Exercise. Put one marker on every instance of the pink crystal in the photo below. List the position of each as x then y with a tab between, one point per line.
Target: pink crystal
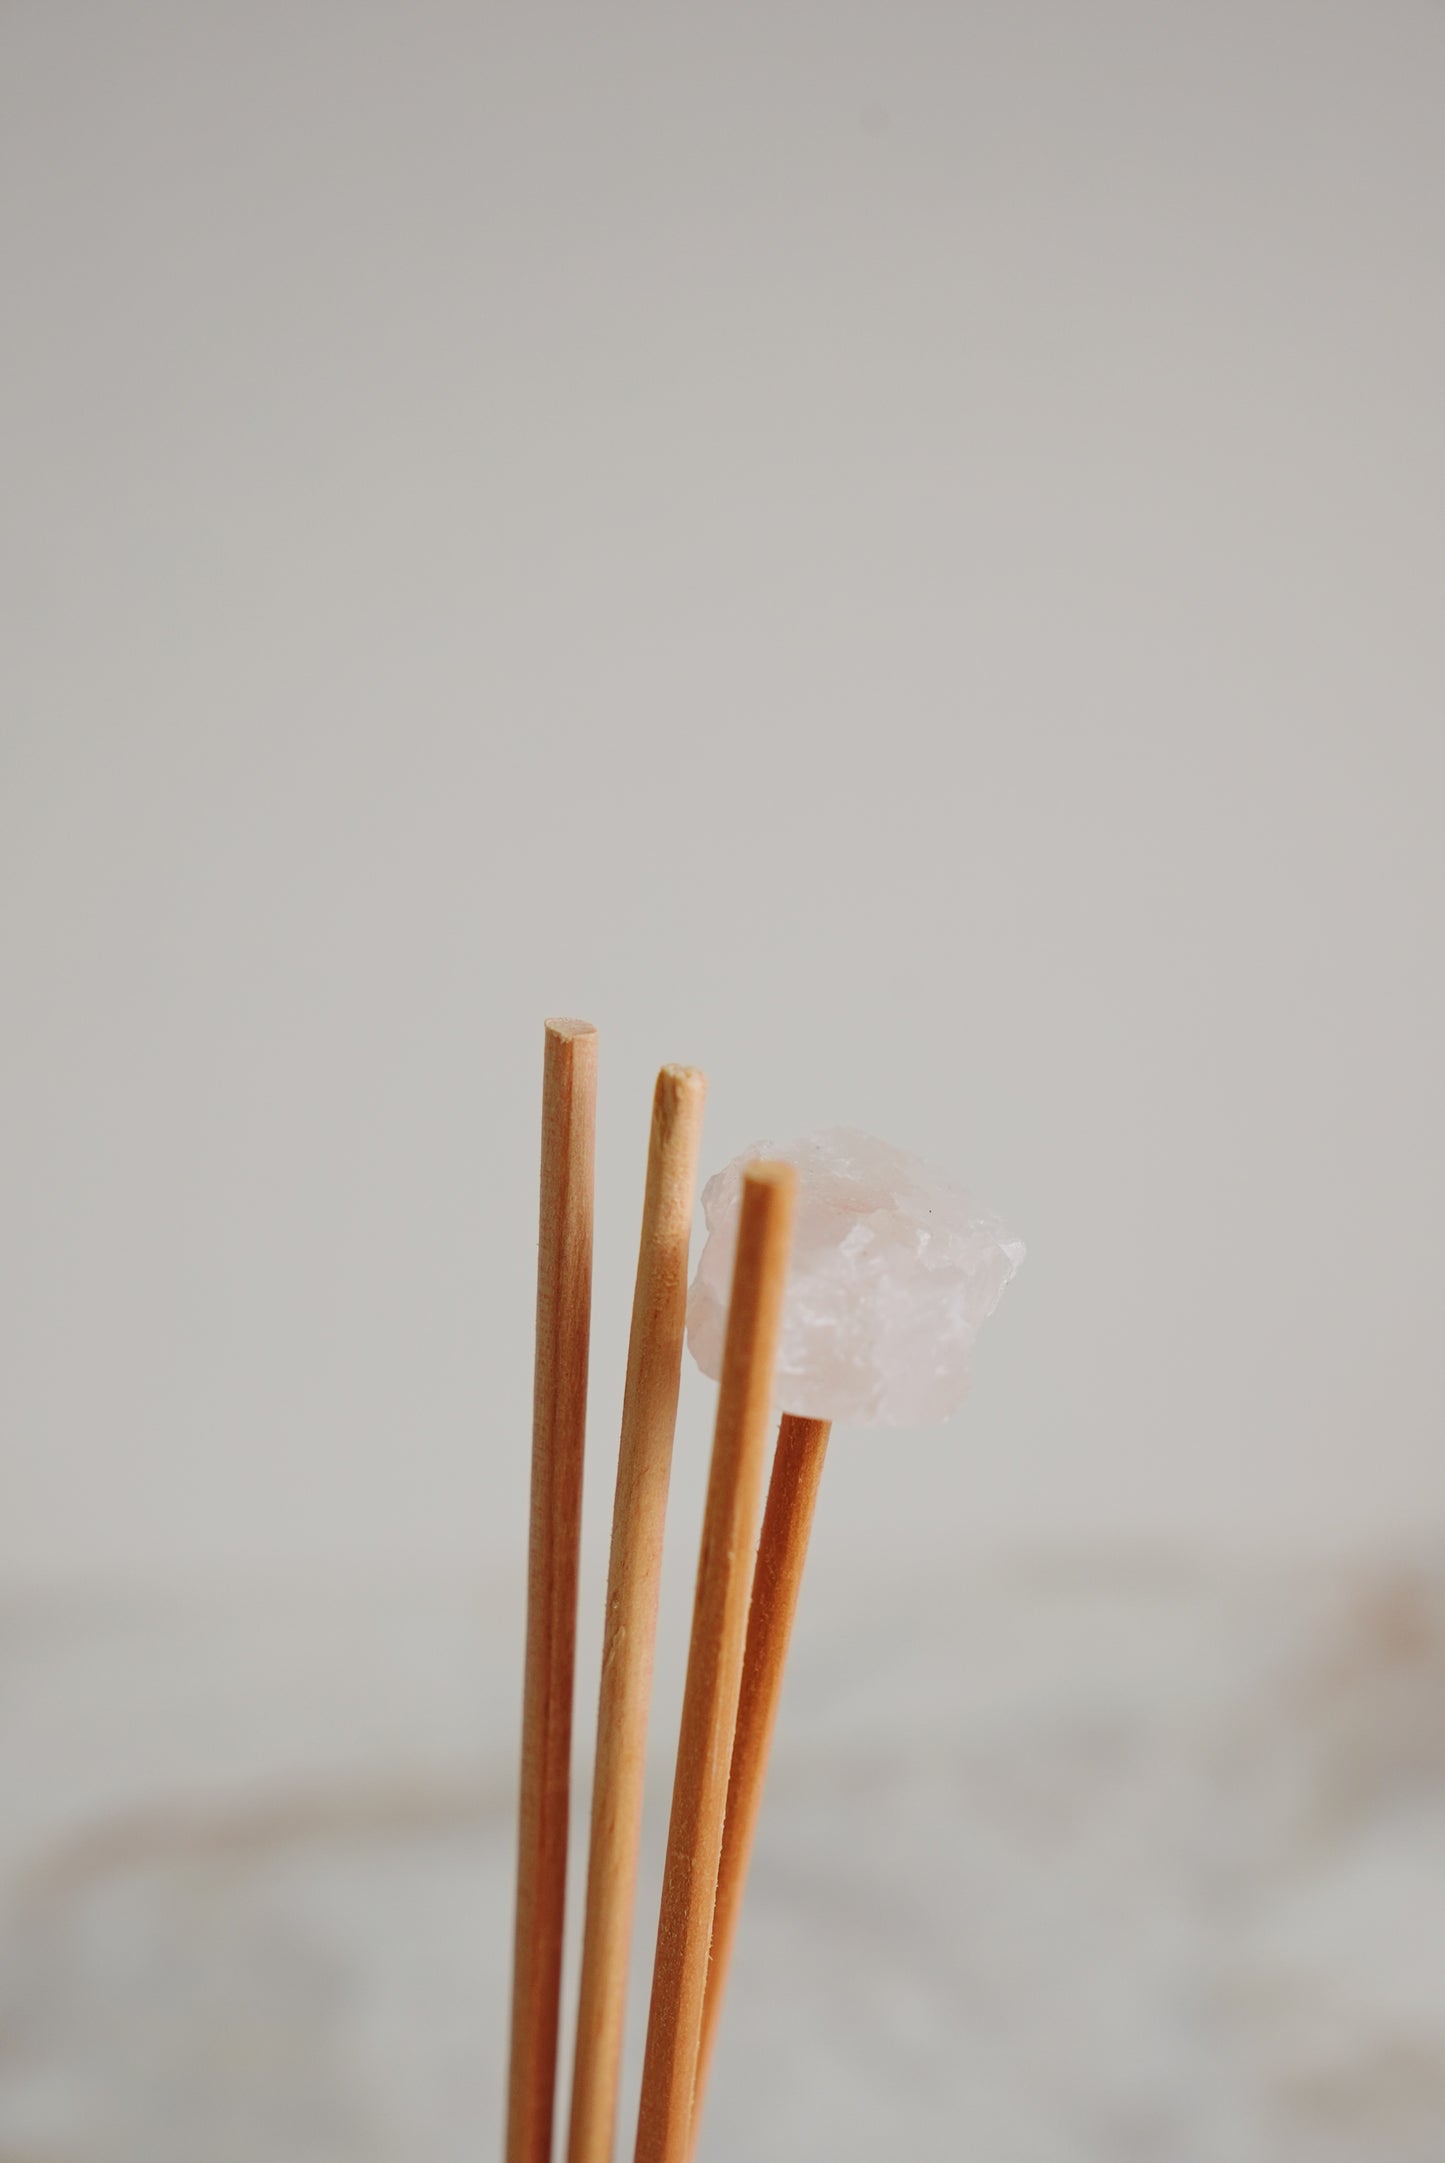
893	1269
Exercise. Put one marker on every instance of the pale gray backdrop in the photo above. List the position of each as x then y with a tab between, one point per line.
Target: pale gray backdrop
892	553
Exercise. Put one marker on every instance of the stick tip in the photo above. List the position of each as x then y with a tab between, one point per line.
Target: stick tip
680	1089
565	1030
765	1176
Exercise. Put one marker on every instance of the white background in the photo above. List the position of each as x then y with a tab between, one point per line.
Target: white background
893	553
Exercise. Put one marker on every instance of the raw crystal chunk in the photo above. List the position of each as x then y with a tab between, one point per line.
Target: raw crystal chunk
893	1269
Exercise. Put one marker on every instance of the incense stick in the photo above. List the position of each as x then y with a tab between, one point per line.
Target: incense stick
777	1581
564	1300
714	1665
644	1464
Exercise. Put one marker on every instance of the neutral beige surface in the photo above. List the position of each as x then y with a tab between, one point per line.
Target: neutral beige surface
1072	1866
981	465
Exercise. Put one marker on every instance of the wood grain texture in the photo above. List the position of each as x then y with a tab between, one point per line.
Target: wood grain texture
714	1666
777	1581
564	1305
644	1467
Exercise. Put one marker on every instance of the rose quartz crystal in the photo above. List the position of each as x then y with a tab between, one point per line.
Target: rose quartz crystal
893	1269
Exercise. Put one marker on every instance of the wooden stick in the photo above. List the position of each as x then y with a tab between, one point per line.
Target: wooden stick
564	1305
777	1581
644	1465
714	1665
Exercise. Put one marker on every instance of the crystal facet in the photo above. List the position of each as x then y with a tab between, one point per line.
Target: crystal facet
893	1269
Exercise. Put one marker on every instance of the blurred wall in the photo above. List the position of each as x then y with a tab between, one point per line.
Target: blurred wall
891	552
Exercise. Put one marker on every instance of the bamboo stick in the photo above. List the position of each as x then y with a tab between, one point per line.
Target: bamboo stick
564	1300
714	1665
777	1581
644	1464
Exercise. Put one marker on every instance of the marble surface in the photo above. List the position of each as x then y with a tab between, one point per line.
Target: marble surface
1089	1862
